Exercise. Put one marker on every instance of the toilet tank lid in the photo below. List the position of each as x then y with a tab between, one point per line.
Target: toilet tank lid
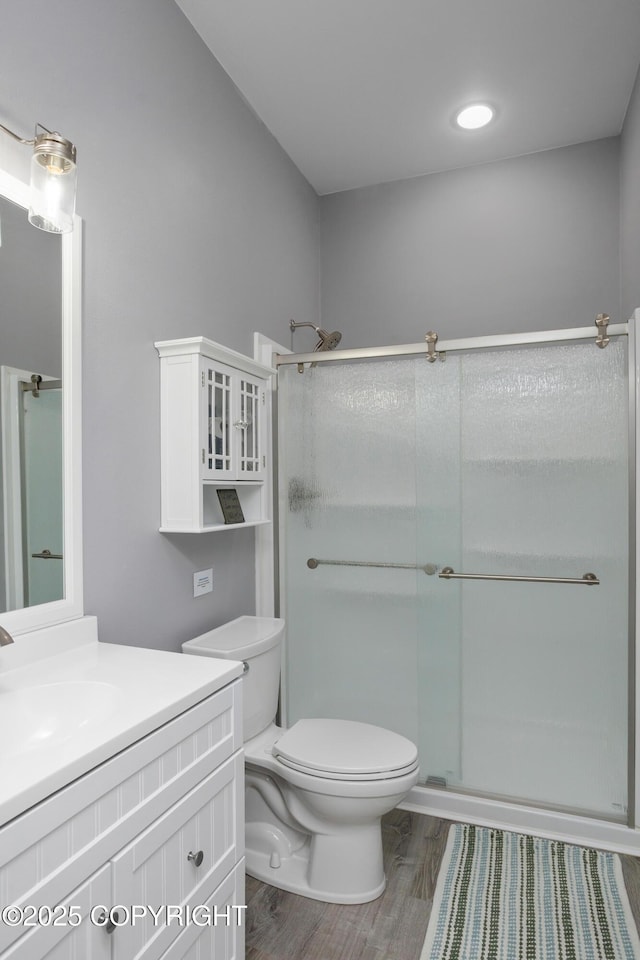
239	639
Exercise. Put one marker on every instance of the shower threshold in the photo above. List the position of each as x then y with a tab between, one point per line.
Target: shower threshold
571	826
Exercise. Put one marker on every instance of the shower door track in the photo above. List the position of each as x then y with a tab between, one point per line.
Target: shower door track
448	346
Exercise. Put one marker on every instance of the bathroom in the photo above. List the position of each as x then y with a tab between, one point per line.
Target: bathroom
224	237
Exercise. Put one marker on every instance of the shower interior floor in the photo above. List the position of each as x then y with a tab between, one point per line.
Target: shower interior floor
283	926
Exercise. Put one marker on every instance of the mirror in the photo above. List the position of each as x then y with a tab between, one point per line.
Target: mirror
40	532
31	569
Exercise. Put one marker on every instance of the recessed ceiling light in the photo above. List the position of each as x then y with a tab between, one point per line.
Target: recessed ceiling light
474	116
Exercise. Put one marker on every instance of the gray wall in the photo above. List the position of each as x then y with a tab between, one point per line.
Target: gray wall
630	206
196	223
523	244
31	286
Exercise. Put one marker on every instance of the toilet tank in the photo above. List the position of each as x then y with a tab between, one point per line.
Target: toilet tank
257	642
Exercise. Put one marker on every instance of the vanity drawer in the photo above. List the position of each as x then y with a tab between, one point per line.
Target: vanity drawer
68	941
49	850
219	940
179	861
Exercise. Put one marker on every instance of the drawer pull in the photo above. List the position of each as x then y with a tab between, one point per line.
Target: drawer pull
109	920
196	858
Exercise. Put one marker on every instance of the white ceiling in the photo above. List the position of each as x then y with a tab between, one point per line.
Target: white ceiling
359	92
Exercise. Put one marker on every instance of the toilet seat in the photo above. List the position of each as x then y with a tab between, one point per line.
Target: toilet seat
345	750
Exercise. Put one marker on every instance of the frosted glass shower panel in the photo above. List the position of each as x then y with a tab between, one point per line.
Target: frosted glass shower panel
512	462
438	534
544	493
347	493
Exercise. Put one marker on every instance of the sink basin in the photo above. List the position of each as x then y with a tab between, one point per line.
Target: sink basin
49	714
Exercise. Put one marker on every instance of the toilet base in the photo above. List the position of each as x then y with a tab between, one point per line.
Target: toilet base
292	873
314	836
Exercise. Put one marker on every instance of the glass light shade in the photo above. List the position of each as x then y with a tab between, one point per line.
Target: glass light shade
53	184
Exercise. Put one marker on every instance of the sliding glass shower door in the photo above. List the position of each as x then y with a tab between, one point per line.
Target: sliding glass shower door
509	462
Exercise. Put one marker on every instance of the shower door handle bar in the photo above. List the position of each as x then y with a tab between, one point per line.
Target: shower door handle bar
46	555
429	568
587	580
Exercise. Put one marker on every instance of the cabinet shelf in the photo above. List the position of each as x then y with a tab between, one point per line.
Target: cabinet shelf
232	483
215	527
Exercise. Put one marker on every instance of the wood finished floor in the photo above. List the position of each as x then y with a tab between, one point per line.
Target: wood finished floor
283	926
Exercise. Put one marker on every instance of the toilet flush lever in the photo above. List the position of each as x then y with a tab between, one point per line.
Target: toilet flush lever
245	667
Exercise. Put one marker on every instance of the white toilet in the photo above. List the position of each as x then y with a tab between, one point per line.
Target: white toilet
314	793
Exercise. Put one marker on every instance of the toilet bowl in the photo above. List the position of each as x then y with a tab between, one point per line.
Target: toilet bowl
314	793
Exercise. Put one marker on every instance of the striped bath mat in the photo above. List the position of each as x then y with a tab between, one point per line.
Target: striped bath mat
506	896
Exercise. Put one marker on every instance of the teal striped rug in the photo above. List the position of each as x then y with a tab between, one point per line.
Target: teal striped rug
507	896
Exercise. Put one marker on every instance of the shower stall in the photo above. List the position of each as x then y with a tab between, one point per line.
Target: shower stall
457	564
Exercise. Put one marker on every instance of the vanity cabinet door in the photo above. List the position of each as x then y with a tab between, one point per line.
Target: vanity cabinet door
177	863
220	932
66	939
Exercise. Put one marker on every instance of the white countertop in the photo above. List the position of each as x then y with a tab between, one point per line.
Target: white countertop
63	714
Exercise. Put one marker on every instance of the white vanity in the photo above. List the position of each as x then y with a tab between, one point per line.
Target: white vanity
121	801
121	791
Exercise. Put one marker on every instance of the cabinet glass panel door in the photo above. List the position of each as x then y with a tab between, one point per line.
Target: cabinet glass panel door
217	450
248	424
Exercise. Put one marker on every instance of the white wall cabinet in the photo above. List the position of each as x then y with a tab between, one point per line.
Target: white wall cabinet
159	825
215	435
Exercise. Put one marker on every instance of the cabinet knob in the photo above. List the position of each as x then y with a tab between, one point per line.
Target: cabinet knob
196	858
109	920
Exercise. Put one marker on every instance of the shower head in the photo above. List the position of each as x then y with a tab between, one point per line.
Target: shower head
327	341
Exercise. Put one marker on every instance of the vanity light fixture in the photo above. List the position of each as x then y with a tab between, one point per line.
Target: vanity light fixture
474	116
53	180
